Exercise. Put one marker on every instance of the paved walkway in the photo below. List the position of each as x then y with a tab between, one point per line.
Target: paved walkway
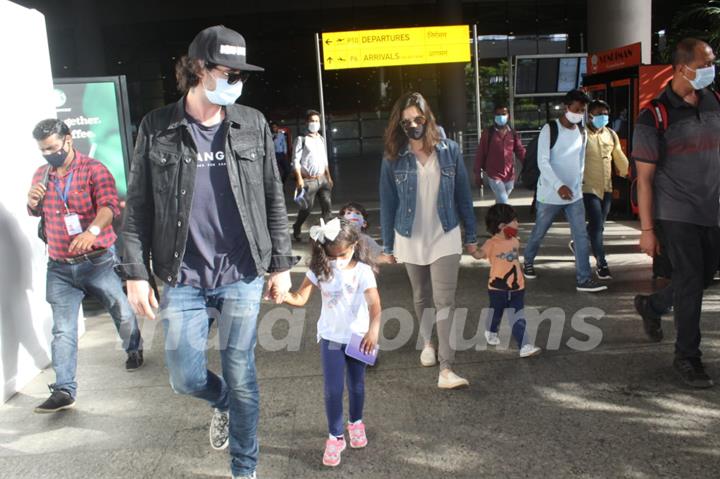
614	411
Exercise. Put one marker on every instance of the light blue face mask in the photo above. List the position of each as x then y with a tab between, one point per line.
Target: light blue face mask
501	120
600	121
224	93
703	77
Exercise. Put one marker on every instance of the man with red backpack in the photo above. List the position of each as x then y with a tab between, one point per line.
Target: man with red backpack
495	156
676	148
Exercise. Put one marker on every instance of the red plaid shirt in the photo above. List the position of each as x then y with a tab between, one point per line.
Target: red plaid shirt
92	188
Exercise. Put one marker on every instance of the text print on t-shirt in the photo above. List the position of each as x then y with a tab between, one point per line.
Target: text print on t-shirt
210	159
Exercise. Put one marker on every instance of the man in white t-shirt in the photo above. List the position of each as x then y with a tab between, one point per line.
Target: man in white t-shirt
561	160
312	171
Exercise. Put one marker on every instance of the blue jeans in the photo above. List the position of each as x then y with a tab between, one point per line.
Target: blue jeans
501	189
67	285
575	214
514	301
334	363
186	312
597	212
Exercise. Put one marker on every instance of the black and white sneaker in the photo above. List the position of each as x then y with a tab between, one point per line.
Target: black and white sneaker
529	271
134	361
603	273
220	430
591	286
58	401
692	372
571	245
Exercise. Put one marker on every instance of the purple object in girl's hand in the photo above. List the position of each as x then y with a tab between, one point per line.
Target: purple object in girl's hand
353	350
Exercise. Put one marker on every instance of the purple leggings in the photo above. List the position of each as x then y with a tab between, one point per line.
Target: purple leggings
334	363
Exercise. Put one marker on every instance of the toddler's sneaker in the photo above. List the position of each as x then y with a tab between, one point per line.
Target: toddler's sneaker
492	338
358	439
529	350
333	449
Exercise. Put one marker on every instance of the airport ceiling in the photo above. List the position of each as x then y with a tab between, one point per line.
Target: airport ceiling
258	17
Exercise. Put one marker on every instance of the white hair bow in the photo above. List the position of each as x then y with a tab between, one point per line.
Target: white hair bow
326	231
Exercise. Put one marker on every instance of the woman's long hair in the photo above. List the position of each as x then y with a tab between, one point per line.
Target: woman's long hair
320	263
395	137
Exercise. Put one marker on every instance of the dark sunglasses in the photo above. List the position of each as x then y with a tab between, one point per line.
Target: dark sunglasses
232	76
418	120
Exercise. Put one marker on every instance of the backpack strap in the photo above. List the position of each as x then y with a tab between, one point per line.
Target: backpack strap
659	113
553	133
491	133
717	95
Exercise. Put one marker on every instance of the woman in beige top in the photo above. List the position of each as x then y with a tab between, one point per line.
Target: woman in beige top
603	152
424	195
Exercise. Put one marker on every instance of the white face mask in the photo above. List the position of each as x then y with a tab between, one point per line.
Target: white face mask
342	263
314	126
224	93
703	77
574	118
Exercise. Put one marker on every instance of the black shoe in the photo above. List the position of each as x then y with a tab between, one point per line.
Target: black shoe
652	322
296	233
529	271
57	401
134	360
692	373
591	286
603	273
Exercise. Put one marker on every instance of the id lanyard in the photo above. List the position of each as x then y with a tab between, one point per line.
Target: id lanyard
64	195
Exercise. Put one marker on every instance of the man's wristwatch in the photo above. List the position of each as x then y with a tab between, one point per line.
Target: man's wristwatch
94	230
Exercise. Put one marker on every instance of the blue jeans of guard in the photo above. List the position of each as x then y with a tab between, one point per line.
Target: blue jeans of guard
575	214
186	312
67	285
501	189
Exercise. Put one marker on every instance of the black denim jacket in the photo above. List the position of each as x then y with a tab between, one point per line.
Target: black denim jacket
160	192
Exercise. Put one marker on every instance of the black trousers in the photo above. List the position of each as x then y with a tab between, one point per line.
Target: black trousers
320	188
694	252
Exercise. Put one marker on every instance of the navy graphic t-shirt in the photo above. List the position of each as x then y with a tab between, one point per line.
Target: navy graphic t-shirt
217	251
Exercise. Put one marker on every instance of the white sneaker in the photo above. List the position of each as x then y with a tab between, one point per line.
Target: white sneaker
451	381
220	430
529	350
492	338
251	476
427	357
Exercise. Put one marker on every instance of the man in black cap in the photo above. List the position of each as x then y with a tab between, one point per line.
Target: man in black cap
205	212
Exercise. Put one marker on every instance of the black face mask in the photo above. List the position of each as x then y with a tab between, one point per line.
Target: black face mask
415	132
57	159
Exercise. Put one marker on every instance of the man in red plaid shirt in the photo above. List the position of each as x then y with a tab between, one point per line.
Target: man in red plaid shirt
76	198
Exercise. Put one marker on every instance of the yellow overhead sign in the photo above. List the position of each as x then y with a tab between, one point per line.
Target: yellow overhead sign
396	46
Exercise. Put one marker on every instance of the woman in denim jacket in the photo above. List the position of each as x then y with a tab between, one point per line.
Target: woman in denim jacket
424	193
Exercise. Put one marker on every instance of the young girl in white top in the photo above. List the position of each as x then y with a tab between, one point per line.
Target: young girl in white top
341	269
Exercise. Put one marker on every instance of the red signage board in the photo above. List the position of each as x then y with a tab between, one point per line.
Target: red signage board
615	59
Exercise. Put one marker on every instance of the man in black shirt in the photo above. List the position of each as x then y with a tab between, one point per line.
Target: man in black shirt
206	213
676	147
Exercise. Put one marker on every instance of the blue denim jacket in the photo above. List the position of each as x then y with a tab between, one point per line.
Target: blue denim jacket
398	184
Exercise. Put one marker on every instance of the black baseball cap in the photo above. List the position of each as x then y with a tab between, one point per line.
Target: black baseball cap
221	46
